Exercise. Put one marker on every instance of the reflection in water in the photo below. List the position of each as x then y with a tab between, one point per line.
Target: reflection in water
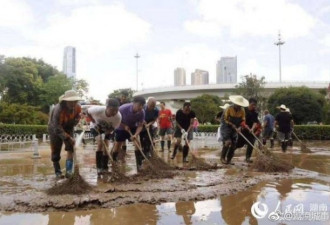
186	210
233	209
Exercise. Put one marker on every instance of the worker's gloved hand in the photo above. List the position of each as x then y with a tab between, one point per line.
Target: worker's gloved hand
184	135
244	126
183	131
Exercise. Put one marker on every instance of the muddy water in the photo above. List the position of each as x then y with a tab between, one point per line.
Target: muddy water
229	209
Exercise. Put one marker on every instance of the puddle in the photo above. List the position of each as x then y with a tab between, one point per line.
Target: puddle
313	193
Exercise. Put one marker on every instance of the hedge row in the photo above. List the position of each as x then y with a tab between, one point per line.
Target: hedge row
305	132
23	129
310	132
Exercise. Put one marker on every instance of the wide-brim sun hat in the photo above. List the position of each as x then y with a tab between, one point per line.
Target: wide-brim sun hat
239	100
70	96
225	106
287	110
282	107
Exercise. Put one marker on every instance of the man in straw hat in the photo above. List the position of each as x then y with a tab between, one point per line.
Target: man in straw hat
105	119
252	122
63	118
283	124
234	118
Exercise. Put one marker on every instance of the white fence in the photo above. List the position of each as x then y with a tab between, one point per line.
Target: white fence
9	143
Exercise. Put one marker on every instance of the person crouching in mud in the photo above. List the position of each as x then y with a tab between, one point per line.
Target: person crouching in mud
63	118
234	118
184	125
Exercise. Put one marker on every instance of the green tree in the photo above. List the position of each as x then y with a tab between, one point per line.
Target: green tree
252	87
53	89
305	104
82	87
117	93
21	114
206	107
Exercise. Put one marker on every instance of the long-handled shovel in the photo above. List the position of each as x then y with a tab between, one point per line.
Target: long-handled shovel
161	164
196	162
303	146
116	174
74	184
268	162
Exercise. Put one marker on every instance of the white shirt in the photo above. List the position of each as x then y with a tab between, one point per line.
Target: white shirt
105	122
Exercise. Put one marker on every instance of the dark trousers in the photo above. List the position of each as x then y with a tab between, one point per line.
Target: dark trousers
241	142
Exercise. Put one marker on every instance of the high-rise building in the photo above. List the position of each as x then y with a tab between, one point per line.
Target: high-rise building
179	77
227	70
69	61
199	77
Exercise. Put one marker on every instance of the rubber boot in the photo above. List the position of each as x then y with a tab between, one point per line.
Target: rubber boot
180	148
115	156
283	146
98	157
290	142
230	155
174	151
105	161
162	143
185	153
271	143
264	141
138	158
68	166
169	145
57	169
224	154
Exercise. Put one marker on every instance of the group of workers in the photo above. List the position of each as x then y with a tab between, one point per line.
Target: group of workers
120	120
240	125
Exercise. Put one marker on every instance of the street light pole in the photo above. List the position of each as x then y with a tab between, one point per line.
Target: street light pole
279	43
137	56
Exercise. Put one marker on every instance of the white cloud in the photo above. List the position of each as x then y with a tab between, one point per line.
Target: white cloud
297	72
76	2
326	40
14	13
256	17
206	29
95	29
325	75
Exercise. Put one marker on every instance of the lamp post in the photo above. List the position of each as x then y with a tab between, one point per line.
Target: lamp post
279	43
137	56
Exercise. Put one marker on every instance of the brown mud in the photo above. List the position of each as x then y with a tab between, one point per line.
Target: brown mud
23	188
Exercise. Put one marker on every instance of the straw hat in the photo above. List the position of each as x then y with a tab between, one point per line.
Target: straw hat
282	107
225	106
70	96
287	110
239	100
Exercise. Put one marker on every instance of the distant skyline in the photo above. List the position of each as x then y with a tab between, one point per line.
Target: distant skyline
169	34
69	61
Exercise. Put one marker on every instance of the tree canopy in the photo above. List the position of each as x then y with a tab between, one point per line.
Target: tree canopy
206	107
28	82
117	93
252	87
305	104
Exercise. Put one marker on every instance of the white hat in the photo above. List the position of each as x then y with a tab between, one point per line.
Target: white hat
239	100
287	110
225	106
70	96
282	107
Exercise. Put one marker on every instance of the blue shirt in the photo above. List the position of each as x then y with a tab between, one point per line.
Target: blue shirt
270	122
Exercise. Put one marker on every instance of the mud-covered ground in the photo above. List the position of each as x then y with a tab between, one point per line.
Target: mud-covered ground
23	181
